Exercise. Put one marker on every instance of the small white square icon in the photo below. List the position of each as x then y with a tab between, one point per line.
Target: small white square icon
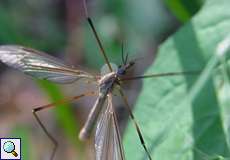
10	149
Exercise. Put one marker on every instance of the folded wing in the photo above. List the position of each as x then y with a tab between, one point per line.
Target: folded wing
107	138
39	65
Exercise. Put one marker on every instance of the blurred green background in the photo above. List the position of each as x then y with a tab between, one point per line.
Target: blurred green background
59	28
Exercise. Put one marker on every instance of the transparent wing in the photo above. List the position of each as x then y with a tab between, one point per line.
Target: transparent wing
107	138
39	65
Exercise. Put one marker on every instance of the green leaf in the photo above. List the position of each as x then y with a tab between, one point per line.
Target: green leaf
184	117
183	9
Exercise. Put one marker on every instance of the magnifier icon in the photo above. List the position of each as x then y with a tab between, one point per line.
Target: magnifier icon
9	147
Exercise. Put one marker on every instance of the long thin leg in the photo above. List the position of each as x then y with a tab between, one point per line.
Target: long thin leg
96	36
161	75
47	133
135	123
35	110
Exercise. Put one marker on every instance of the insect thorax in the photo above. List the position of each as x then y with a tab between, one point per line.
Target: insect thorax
107	83
108	79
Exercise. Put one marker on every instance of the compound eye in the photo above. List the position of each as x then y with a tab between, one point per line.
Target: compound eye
121	72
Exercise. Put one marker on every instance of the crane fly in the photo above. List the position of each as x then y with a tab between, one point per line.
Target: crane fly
40	65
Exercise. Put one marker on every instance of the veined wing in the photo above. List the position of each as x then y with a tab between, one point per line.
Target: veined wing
107	138
39	65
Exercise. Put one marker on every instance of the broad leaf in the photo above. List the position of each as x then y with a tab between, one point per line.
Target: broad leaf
180	117
183	9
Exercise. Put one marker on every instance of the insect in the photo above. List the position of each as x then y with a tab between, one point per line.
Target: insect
40	65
